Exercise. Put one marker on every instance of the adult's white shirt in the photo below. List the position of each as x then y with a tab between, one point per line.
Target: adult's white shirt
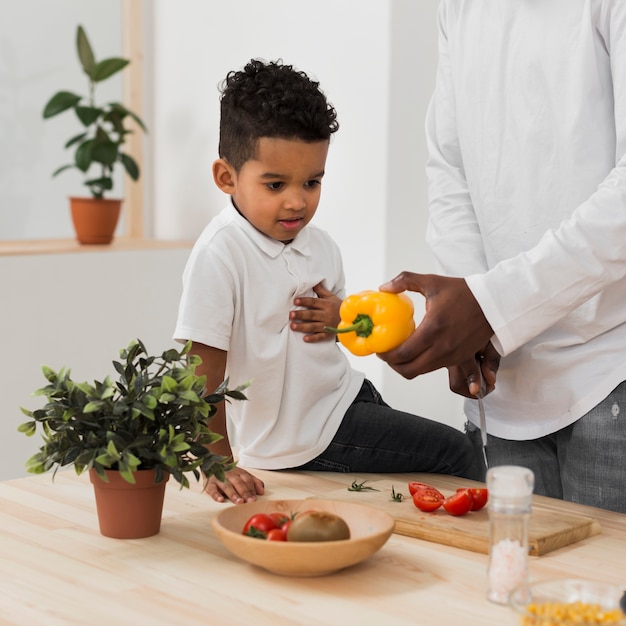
527	183
238	288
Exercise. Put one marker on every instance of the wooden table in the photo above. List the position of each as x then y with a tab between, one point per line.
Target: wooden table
56	568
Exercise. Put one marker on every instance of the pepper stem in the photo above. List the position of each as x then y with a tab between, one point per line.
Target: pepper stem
362	325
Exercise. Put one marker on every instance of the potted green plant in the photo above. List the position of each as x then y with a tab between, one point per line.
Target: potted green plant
99	144
131	434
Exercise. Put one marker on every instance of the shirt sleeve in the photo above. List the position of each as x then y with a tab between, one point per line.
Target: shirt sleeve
207	303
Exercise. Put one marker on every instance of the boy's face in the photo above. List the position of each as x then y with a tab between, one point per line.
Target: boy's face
278	191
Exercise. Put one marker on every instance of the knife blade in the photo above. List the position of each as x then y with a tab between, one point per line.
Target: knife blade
481	412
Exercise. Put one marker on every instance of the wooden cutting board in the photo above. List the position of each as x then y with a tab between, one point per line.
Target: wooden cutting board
548	530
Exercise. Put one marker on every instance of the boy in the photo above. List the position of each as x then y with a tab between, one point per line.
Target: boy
258	289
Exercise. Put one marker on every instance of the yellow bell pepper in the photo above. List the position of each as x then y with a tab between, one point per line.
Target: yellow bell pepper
374	321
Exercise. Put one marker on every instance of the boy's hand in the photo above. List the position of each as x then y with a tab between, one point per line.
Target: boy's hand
240	486
315	314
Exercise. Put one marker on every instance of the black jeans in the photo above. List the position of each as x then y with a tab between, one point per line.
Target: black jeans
374	438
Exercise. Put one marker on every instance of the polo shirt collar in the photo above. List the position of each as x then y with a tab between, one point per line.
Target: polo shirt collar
272	247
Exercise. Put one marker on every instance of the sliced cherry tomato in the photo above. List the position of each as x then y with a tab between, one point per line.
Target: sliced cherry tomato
259	525
276	534
415	486
458	503
428	499
479	497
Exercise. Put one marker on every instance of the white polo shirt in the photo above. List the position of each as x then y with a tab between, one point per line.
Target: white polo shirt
527	184
238	288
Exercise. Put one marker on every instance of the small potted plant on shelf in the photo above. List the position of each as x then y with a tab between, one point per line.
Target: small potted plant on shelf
99	144
131	434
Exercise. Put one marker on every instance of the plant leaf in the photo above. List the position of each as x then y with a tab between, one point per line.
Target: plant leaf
82	156
75	139
88	115
35	466
85	52
104	183
62	169
127	474
130	165
179	446
168	384
189	395
104	152
112	450
92	407
107	68
60	102
122	112
28	428
150	401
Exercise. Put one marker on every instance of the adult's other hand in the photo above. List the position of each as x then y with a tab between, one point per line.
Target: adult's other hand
453	331
464	378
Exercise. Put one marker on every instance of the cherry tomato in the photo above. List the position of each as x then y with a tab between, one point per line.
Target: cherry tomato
415	486
428	499
259	525
458	503
276	534
279	518
479	497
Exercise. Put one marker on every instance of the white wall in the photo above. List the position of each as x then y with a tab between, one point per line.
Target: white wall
375	59
413	55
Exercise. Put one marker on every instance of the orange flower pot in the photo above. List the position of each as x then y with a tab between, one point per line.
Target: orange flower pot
127	511
95	219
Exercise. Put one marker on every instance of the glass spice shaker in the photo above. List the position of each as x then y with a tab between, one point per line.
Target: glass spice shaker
510	497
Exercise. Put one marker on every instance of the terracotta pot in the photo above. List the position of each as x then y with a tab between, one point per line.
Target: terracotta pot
95	219
127	511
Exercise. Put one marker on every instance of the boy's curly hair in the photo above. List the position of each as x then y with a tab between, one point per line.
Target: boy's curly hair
270	100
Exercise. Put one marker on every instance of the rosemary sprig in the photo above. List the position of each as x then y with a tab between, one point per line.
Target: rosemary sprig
361	487
396	496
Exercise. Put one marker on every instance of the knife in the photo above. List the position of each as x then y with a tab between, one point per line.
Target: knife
481	412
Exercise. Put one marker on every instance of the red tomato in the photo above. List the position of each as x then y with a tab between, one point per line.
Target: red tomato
277	534
458	503
279	518
259	525
427	499
479	497
415	486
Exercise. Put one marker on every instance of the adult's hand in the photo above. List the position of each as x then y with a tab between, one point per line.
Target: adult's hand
464	379
454	329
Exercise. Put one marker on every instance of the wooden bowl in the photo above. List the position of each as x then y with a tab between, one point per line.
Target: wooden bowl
369	530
